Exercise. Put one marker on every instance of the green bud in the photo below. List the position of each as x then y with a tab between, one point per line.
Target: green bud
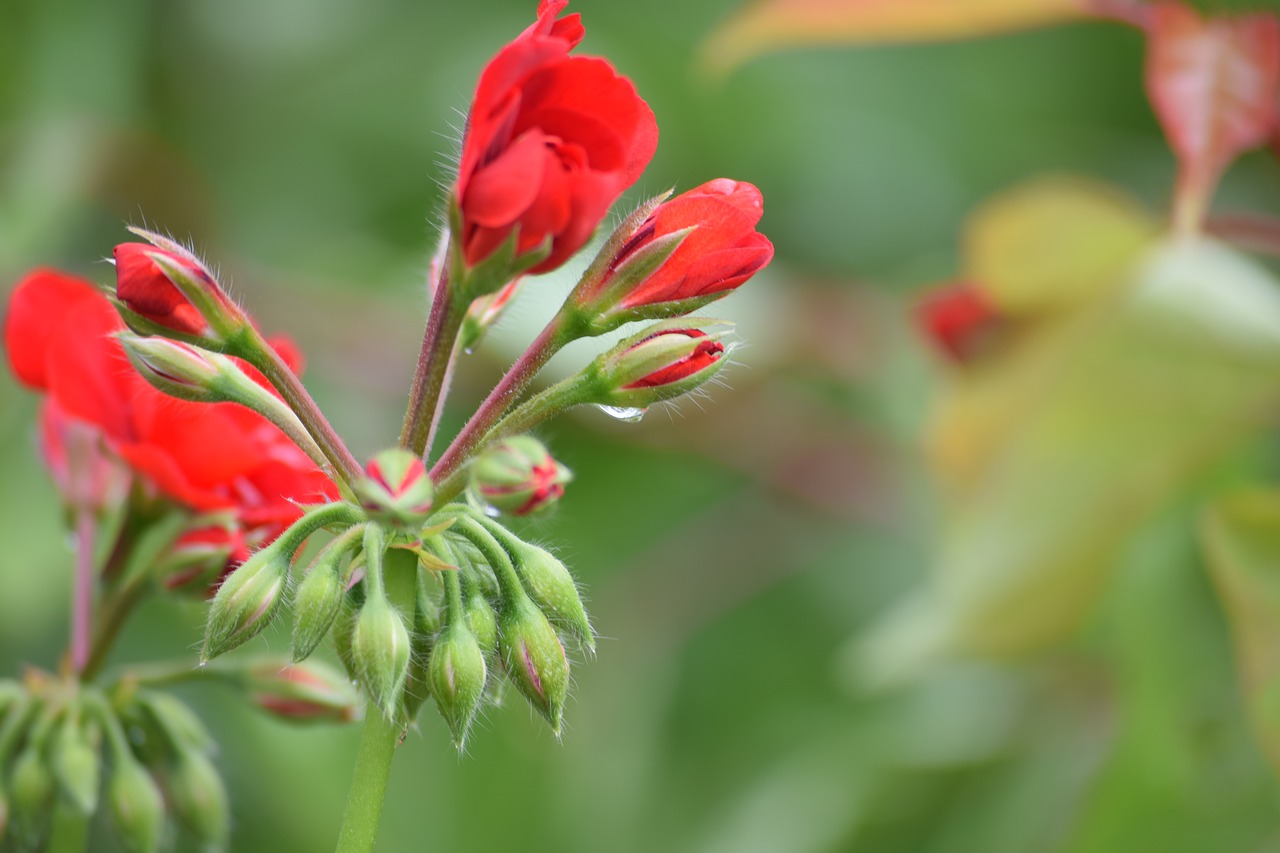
31	787
198	798
549	584
173	368
302	692
318	598
533	657
178	722
380	652
457	674
396	489
666	360
245	601
415	690
343	630
518	476
77	765
137	806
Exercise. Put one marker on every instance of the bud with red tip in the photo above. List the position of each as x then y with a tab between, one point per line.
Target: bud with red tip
518	476
664	361
681	254
960	320
308	692
201	556
396	489
165	289
485	312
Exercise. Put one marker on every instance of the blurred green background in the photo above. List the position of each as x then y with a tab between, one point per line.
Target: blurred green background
730	546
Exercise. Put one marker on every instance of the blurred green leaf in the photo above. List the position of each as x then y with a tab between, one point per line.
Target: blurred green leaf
1241	537
1085	428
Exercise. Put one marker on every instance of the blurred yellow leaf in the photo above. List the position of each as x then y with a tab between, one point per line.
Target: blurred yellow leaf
1054	242
768	25
1082	431
1241	535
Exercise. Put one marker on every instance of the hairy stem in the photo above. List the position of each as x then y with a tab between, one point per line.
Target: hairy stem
427	393
501	398
380	735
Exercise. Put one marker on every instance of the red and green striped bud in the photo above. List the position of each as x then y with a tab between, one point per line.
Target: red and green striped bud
198	797
518	476
664	361
310	692
396	489
533	657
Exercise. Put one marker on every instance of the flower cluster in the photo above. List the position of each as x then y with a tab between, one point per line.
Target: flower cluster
422	591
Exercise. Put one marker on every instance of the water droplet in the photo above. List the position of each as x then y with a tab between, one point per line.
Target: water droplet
468	350
628	414
491	510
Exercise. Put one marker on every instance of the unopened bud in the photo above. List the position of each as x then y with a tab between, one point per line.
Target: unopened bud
165	288
518	476
172	367
198	798
457	675
343	631
137	806
485	312
552	588
317	600
246	601
76	762
200	557
396	489
415	690
664	361
533	657
31	787
380	652
310	692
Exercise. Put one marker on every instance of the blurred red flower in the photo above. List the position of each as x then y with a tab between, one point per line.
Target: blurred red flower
552	140
59	336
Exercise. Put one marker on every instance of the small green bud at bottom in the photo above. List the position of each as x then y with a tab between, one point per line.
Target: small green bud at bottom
199	798
457	674
137	807
380	652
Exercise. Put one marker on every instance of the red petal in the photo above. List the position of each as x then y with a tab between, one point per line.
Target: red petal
37	308
501	191
88	373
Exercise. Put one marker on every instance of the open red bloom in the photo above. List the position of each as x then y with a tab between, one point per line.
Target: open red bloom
552	140
59	336
721	252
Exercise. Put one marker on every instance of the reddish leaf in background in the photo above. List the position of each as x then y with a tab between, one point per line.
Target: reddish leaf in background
1214	84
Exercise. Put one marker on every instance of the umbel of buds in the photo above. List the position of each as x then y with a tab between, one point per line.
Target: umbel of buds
518	476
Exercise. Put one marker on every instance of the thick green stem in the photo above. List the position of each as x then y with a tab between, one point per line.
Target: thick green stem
380	736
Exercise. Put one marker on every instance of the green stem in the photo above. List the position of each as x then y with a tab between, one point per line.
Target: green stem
571	392
263	356
427	393
380	736
70	830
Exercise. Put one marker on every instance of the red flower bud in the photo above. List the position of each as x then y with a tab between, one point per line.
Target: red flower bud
709	239
664	361
396	488
519	476
165	289
303	692
552	140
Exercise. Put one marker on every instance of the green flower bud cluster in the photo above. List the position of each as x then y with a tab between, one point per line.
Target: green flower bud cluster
64	749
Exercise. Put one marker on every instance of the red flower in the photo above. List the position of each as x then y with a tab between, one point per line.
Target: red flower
552	140
721	252
59	335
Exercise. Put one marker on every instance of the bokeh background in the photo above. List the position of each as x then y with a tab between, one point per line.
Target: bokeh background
732	547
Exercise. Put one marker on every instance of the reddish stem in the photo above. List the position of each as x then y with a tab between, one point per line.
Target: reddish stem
434	358
82	590
506	392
